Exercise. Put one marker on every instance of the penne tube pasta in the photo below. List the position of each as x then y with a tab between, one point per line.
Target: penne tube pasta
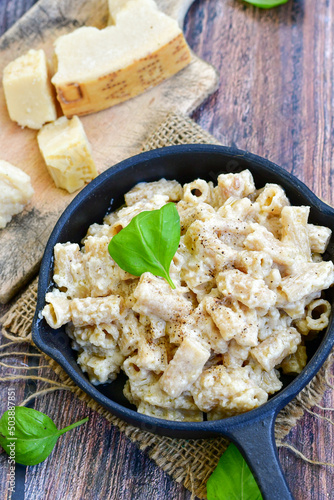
154	296
146	190
296	362
185	367
197	191
275	348
263	240
252	292
319	237
94	311
69	270
237	185
309	278
295	231
57	311
272	199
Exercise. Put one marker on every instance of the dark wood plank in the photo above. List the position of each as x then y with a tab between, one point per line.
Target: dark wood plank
10	12
275	99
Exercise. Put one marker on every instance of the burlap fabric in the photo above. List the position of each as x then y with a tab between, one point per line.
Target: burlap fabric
188	461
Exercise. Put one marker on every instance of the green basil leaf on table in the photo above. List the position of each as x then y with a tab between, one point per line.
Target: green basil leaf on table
232	478
33	433
266	4
148	243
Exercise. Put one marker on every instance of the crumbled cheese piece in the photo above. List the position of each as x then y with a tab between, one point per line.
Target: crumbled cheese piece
28	90
15	191
67	153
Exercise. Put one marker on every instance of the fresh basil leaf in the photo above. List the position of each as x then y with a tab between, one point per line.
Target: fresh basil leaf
232	479
148	243
266	4
30	436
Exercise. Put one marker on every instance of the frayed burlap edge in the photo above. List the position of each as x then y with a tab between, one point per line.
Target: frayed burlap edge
188	461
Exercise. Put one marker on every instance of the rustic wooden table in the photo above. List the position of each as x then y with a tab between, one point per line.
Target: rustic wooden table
276	99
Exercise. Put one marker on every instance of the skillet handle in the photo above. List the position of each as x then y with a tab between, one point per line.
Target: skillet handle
256	442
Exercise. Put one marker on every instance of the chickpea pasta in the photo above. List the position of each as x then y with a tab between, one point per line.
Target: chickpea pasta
249	279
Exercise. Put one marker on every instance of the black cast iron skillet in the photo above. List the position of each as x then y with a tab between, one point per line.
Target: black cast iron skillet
253	432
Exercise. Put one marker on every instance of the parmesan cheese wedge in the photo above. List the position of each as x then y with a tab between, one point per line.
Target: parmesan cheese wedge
115	6
67	153
97	69
28	91
15	191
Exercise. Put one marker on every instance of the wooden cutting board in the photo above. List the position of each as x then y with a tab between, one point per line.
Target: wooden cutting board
115	134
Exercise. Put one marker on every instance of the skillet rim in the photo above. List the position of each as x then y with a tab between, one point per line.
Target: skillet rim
271	407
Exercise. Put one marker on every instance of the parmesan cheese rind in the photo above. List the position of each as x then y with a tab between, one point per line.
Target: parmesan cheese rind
15	191
97	69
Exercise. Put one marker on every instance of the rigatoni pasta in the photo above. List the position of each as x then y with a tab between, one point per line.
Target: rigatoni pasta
249	280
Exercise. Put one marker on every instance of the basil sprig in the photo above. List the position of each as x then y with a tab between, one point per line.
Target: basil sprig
148	243
232	478
30	437
266	4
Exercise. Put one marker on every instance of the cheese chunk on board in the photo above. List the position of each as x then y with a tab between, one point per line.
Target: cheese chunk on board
67	153
115	6
97	69
29	94
15	191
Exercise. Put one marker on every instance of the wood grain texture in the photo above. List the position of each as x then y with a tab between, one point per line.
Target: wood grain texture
124	127
276	99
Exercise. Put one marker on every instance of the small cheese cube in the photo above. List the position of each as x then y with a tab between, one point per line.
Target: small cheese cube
28	90
97	69
67	153
15	191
